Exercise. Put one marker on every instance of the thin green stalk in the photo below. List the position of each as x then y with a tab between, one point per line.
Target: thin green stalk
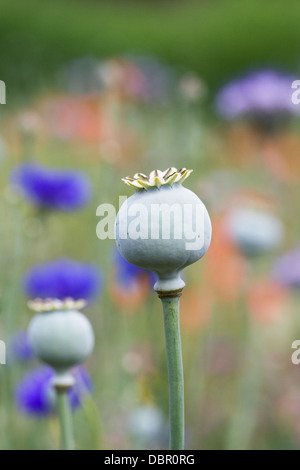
65	419
94	420
244	416
175	371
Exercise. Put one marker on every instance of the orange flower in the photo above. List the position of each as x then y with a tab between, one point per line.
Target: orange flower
242	144
129	299
195	308
266	300
281	156
225	267
76	118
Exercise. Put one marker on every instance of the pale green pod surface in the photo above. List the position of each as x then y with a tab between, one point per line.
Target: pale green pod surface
163	229
61	339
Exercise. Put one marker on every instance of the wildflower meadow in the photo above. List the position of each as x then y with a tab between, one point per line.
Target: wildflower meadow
115	334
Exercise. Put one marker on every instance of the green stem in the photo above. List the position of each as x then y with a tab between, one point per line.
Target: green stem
244	415
65	419
175	371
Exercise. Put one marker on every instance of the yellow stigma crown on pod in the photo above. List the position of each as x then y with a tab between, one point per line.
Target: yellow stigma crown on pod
157	178
49	305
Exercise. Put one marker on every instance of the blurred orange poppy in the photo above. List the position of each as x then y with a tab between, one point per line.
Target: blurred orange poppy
130	298
242	143
195	308
94	120
266	300
281	156
76	118
225	267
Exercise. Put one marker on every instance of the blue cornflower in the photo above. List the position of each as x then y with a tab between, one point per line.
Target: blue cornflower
63	278
127	274
52	188
35	395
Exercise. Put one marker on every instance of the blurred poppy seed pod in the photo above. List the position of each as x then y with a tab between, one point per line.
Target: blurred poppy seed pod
163	227
60	336
254	231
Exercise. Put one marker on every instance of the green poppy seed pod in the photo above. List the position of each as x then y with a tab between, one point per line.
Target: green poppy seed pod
60	336
163	227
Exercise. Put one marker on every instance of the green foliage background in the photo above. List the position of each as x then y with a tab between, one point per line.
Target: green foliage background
216	38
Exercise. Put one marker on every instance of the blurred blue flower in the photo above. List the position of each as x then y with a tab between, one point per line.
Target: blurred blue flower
263	95
35	395
52	188
126	274
286	269
19	348
63	278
